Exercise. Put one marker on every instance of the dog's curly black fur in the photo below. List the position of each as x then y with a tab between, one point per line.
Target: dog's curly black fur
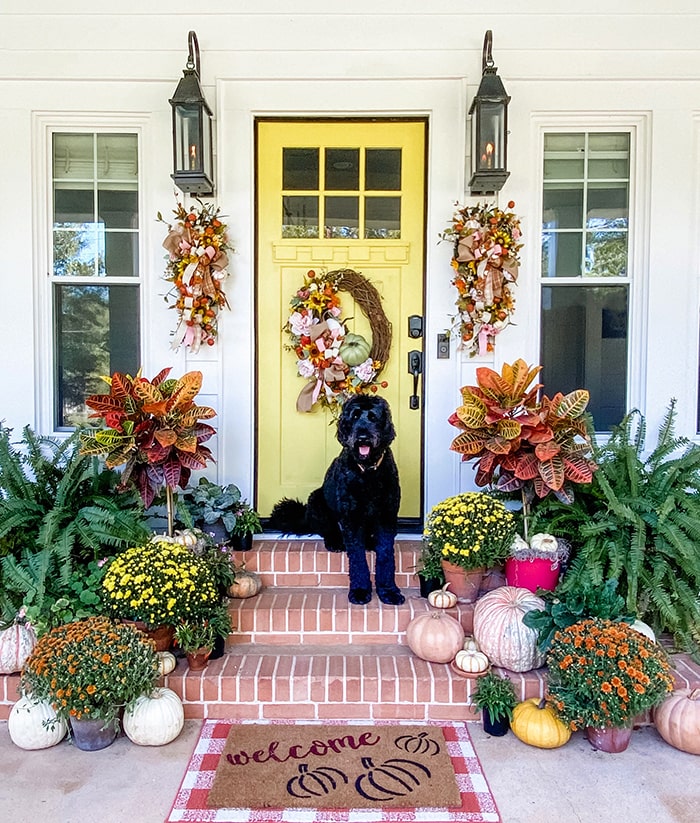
356	508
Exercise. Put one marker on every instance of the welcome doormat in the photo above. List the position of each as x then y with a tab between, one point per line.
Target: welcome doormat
375	776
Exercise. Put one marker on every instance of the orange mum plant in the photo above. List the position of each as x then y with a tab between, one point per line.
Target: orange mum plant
603	674
91	668
521	441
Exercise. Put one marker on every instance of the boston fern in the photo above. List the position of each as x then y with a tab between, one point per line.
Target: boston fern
645	529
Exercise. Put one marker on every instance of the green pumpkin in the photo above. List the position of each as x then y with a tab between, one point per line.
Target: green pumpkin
354	349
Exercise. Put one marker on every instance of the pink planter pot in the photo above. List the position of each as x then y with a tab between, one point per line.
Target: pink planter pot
532	574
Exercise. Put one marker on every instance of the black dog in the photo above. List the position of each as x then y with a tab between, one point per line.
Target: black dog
356	508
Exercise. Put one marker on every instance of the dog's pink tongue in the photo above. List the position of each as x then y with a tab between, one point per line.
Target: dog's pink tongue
364	451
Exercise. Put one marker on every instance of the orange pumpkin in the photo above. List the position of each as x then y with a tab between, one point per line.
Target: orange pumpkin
500	632
435	636
677	720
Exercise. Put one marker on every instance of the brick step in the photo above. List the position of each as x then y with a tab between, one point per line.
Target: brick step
287	616
365	682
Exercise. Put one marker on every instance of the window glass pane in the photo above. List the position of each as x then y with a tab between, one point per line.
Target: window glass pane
607	206
117	157
383	217
97	332
73	156
342	169
299	216
73	206
584	345
120	257
564	156
606	254
562	206
300	169
76	253
561	254
342	217
118	209
383	169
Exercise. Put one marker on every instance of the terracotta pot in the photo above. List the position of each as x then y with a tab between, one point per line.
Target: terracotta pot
162	636
199	659
611	740
465	583
538	573
93	735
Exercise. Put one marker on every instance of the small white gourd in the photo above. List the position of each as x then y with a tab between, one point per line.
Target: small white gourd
471	661
470	645
166	662
34	725
442	599
155	719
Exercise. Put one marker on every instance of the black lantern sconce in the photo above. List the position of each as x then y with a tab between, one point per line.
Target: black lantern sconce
489	128
192	129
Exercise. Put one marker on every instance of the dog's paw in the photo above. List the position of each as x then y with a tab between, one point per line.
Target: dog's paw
391	597
360	596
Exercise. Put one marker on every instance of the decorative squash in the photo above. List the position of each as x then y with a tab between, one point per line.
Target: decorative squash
677	720
470	645
246	584
354	349
645	629
16	644
155	719
442	599
186	538
435	636
166	662
34	725
471	661
500	632
537	724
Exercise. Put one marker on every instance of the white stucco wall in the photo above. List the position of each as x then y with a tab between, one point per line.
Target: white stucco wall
640	61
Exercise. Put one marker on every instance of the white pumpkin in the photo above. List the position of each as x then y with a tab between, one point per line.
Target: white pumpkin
471	661
34	725
442	599
155	719
16	644
166	662
500	632
470	645
645	629
544	543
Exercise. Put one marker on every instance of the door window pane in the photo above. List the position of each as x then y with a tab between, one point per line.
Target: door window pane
383	169
97	333
300	169
342	169
383	218
299	216
342	217
584	345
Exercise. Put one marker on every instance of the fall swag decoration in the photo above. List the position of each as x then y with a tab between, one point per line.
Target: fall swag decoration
485	263
197	262
336	362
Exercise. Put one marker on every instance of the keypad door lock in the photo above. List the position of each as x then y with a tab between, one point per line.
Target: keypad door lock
415	326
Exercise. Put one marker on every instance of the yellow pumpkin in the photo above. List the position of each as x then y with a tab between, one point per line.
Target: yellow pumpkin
537	724
442	599
471	661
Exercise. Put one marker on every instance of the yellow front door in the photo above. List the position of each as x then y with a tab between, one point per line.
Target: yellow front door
336	195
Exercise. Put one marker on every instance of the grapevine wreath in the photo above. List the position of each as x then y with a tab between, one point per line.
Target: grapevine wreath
336	362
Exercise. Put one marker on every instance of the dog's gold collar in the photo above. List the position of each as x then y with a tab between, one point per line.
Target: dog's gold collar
363	468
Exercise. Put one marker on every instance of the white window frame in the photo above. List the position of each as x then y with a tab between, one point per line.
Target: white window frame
638	125
44	126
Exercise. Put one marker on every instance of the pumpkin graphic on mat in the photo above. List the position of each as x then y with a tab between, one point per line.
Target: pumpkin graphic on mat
315	783
418	744
393	778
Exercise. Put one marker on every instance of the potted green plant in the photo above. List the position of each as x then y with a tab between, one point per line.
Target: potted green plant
495	696
638	523
196	639
429	571
470	532
213	508
88	670
154	429
158	585
247	524
522	442
602	675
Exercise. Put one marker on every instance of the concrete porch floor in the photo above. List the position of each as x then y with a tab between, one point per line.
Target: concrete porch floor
649	783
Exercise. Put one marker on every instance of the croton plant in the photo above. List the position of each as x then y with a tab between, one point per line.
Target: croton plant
521	441
154	429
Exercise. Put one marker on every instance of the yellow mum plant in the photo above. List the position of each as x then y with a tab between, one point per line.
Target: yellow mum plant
160	583
470	530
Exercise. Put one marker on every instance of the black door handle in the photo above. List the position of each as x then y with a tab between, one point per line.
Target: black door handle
415	367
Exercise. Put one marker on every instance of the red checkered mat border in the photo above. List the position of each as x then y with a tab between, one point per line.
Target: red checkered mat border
190	803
